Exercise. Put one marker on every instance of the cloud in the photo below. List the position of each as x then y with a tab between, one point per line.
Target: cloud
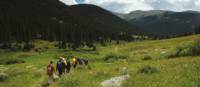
126	6
69	2
175	5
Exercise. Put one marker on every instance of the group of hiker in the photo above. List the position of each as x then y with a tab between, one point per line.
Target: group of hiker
63	66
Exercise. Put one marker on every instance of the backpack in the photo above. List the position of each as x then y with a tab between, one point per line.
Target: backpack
68	62
64	61
49	69
59	65
74	61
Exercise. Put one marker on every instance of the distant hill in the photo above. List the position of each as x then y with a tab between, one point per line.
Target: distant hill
163	23
24	20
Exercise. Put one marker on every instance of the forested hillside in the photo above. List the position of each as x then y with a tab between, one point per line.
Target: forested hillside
21	21
163	24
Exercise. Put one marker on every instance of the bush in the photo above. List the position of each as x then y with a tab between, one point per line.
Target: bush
147	58
148	70
9	61
198	83
41	50
177	53
28	46
3	77
192	49
113	57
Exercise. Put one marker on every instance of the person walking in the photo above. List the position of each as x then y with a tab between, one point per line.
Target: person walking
59	67
68	67
51	72
74	62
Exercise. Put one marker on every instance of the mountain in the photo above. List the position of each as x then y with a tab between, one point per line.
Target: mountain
25	20
163	23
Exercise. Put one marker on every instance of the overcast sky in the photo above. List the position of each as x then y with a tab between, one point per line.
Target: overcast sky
126	6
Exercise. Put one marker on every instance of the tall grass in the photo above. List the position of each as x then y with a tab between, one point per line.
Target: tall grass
70	82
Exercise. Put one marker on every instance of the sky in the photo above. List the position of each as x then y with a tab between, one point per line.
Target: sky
126	6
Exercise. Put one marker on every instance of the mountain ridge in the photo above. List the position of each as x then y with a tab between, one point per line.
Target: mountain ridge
163	23
52	20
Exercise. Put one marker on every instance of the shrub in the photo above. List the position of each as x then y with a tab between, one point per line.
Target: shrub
176	53
113	57
192	49
41	50
3	77
28	46
147	58
148	70
5	46
197	81
9	61
46	48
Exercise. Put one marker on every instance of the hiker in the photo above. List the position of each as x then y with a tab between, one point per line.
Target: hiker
51	72
64	64
68	67
82	61
59	67
74	62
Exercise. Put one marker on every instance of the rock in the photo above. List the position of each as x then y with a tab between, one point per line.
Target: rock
115	81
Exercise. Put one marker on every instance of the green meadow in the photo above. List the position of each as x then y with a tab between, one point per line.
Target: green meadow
147	62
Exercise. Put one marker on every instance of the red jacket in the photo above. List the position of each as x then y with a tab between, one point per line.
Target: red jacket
51	69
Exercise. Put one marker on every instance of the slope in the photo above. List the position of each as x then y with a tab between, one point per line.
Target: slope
164	23
52	20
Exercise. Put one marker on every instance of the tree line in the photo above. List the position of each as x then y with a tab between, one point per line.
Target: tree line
71	34
71	26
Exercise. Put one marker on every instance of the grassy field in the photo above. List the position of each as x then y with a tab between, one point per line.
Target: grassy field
146	62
